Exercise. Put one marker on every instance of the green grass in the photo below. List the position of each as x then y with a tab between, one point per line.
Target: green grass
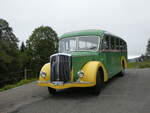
145	64
17	84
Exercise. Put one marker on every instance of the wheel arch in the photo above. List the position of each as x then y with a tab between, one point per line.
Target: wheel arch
101	71
91	68
124	60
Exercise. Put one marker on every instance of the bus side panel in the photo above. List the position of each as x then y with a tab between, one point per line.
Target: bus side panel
112	61
107	59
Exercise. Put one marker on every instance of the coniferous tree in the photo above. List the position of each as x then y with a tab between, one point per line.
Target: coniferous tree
22	48
24	60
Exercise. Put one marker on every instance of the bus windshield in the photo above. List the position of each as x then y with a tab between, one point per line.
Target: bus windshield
81	43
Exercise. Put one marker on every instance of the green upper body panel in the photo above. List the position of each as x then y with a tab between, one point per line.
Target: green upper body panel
83	33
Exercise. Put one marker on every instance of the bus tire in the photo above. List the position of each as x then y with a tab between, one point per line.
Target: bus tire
122	73
51	90
99	82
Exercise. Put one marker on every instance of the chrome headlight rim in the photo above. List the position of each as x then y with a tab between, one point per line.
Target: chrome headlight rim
43	74
80	73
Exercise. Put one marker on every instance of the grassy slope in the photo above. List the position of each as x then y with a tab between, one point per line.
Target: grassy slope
145	64
18	84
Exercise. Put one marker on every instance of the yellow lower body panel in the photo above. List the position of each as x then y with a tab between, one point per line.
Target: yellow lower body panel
66	85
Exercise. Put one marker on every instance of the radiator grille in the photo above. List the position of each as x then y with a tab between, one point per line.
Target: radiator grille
60	67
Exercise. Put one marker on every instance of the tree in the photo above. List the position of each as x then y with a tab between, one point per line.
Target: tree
6	33
148	48
8	50
24	60
41	44
22	47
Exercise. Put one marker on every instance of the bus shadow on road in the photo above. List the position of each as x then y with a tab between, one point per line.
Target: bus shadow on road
113	79
73	93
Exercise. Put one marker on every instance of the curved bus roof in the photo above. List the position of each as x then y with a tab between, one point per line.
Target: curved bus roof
88	32
83	33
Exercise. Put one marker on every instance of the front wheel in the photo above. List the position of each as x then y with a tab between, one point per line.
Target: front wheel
51	90
99	82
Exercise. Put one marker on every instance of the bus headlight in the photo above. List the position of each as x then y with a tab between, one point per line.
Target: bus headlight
43	74
81	74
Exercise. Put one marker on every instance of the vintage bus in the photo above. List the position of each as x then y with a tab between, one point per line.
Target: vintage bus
86	58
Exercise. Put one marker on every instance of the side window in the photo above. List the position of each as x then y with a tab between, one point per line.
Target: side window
88	43
106	42
124	45
117	43
121	45
112	42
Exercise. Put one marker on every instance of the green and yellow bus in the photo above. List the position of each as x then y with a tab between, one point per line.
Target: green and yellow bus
86	58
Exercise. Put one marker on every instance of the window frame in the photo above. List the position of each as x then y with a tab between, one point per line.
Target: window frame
117	45
77	43
112	45
102	42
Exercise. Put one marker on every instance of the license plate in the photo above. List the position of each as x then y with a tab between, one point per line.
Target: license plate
58	83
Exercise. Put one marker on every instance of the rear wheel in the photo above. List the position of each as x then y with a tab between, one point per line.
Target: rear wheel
99	83
122	73
51	90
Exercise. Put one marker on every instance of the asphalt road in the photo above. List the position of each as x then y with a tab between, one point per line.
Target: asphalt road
128	94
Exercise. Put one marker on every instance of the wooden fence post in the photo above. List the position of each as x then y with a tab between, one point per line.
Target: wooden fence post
25	73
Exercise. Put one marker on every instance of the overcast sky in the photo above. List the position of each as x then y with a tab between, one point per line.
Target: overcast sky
129	19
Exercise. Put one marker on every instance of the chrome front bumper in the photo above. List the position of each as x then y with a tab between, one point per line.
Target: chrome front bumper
61	83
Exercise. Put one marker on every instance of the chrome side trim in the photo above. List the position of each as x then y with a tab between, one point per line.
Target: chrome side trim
82	82
60	54
115	50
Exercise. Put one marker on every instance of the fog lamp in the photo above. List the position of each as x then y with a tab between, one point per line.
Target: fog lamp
81	74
